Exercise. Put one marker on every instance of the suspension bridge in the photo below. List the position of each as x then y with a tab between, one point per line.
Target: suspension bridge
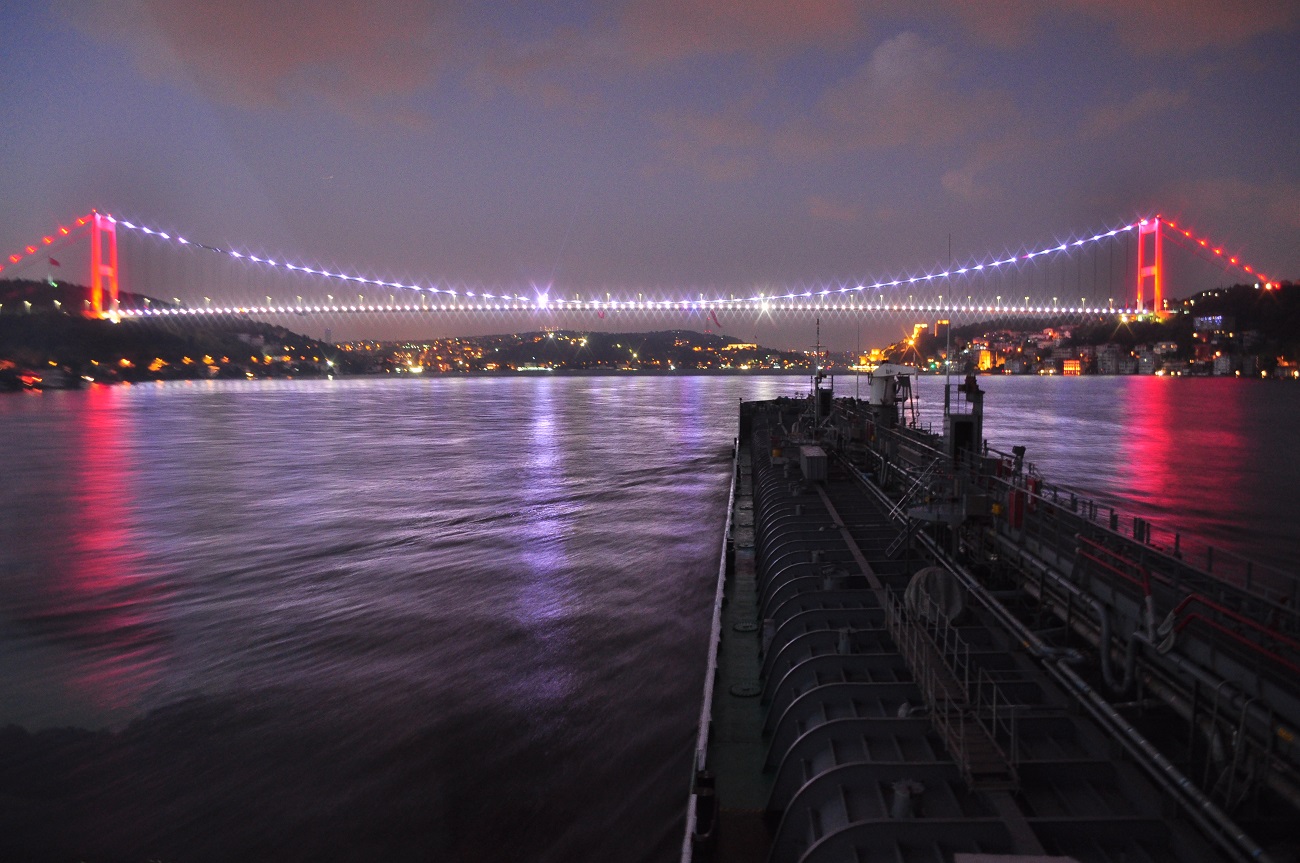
1128	268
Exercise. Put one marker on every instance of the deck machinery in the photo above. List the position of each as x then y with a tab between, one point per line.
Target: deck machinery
924	652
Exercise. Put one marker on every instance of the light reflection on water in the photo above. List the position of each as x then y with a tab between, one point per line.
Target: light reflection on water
445	617
478	604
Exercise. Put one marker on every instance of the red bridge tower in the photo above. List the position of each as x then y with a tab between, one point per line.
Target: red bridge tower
103	266
1154	271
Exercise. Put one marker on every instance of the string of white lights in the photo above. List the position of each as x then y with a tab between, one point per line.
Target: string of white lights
773	305
298	268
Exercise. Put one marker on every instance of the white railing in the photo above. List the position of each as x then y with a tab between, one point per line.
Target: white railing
711	671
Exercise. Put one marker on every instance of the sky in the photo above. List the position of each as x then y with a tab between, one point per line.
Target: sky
663	148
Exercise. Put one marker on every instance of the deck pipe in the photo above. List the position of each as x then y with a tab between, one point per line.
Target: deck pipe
1204	810
1123	684
1277	779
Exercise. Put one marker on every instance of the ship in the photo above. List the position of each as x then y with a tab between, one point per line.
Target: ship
923	650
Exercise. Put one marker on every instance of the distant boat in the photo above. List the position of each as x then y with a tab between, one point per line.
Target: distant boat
55	378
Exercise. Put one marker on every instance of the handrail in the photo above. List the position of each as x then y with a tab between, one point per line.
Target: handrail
1236	636
711	670
1196	598
1161	565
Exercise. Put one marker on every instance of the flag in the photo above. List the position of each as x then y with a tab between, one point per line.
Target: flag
54	263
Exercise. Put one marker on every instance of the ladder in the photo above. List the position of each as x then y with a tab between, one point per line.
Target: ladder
919	483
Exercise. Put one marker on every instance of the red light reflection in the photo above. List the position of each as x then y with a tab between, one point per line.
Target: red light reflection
1182	469
97	597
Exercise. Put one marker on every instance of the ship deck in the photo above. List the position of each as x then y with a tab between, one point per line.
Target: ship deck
860	712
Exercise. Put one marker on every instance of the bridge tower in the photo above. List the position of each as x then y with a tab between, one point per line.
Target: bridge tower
103	266
1153	271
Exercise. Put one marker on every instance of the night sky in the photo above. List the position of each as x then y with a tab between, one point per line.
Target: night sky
670	147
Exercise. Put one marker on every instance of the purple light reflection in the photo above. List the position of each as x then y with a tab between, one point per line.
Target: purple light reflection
546	594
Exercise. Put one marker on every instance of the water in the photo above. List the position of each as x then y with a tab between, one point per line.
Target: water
448	619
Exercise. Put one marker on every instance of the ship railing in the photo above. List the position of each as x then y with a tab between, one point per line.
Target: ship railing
1185	555
998	717
1250	630
1195	554
694	807
1055	518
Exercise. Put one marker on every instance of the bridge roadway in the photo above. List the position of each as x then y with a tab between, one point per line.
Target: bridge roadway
597	306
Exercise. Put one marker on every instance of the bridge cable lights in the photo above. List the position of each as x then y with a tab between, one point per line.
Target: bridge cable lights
1217	251
761	302
46	240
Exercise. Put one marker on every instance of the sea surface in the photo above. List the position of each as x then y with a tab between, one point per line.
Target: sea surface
446	619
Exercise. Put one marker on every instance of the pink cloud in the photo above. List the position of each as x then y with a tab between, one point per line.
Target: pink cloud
1184	26
664	31
1145	26
1109	119
828	210
255	54
722	147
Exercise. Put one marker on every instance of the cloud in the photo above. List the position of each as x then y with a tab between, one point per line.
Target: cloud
907	94
1013	145
1144	26
655	37
1109	119
723	147
556	69
1186	26
960	183
1273	204
253	54
667	31
825	209
1001	23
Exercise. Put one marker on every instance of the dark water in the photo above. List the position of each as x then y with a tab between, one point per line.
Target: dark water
443	619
